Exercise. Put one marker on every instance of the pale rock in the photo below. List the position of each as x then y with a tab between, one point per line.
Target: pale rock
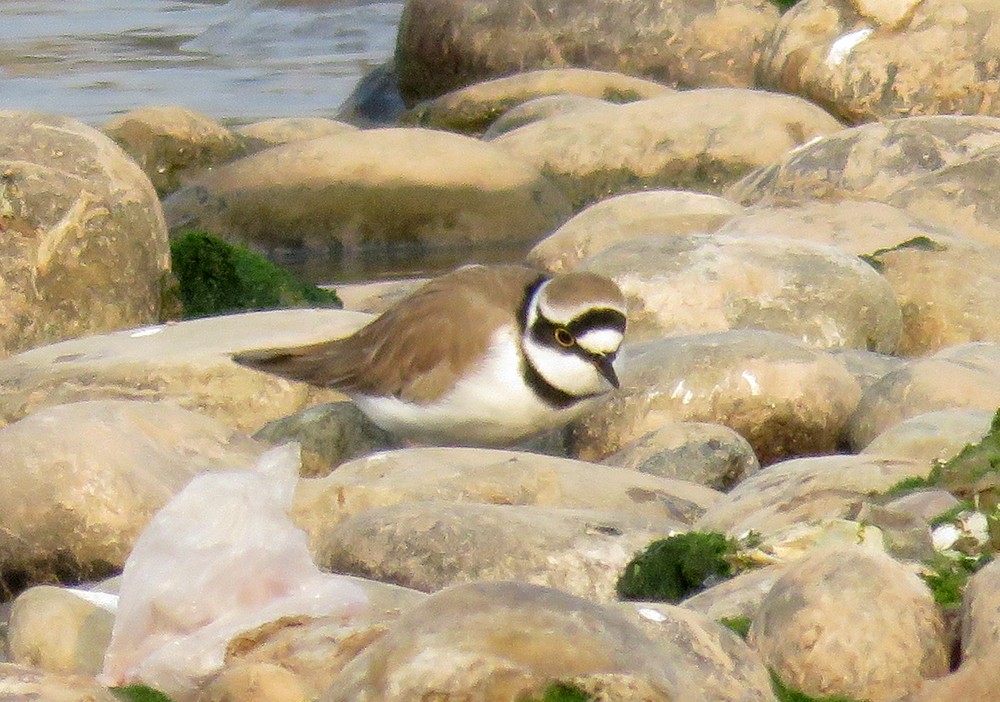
782	396
866	367
377	296
344	195
736	597
256	682
629	216
492	476
701	140
804	490
473	108
170	143
966	376
540	108
851	622
283	130
933	436
887	13
924	504
503	642
81	480
84	249
431	545
698	284
707	454
19	683
187	363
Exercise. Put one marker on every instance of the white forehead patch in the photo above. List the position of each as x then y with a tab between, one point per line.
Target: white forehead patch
600	340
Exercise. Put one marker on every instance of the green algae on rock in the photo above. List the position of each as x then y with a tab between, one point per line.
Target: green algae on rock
217	277
671	569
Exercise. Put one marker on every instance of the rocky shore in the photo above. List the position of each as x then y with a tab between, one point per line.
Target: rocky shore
800	210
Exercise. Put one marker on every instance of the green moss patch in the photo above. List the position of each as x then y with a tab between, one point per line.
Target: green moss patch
139	693
216	277
561	692
947	576
788	694
738	625
671	569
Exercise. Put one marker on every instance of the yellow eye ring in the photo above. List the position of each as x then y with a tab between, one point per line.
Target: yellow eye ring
564	338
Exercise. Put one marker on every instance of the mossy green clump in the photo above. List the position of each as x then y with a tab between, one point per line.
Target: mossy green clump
139	693
738	625
947	576
671	569
788	694
561	692
216	277
784	5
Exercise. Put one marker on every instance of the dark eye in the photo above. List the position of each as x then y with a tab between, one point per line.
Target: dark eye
564	338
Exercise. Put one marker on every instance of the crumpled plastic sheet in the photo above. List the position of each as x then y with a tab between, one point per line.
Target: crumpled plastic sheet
222	557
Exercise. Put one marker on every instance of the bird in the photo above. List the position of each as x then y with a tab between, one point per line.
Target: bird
481	356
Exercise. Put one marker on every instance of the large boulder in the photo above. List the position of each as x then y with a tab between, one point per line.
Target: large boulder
84	246
868	60
448	44
346	194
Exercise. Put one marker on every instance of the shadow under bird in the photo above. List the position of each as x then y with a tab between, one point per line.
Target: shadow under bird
485	355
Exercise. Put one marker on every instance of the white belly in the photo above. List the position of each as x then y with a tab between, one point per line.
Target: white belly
492	406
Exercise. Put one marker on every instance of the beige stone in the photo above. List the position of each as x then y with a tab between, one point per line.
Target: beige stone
81	481
737	597
933	436
870	162
966	376
58	631
851	622
868	59
707	454
709	283
19	683
340	194
625	217
446	44
376	297
473	108
187	363
170	143
503	642
540	108
431	545
713	662
805	490
283	130
84	246
867	367
701	140
782	396
491	476
256	682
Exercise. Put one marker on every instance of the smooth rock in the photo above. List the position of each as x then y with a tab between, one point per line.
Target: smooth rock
283	130
710	283
870	162
503	642
431	545
256	682
867	367
81	480
924	504
625	217
867	59
782	396
187	363
171	143
490	476
472	109
540	108
701	140
737	597
19	683
933	436
966	376
707	454
851	622
351	193
59	631
377	296
315	649
84	249
805	490
443	45
715	663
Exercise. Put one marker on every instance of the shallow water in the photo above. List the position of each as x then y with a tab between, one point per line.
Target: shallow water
236	61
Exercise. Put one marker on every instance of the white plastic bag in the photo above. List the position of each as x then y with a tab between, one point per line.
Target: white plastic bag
220	558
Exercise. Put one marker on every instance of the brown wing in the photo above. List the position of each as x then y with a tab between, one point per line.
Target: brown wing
415	350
